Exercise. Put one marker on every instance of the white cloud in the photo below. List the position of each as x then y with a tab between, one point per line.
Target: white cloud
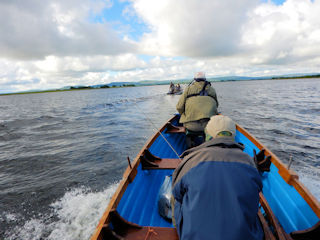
261	33
123	62
35	29
56	72
193	28
284	34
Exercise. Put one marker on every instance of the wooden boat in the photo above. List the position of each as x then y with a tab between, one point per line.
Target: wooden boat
288	210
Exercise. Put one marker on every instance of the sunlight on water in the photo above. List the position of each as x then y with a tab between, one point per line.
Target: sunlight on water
78	213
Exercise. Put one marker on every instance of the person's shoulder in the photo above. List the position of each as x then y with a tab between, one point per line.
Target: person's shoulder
187	88
195	84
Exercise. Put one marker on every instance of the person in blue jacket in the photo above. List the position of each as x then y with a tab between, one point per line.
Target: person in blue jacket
216	188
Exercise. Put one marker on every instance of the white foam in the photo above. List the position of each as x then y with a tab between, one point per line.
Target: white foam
32	229
311	179
9	217
78	213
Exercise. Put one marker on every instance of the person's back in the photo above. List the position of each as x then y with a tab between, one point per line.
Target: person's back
171	88
198	102
216	190
177	88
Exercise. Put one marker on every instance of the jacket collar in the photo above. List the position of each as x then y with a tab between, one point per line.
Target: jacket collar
224	142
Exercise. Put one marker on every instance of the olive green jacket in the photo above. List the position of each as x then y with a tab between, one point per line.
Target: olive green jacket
197	107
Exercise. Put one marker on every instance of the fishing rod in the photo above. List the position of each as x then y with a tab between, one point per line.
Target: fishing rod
155	128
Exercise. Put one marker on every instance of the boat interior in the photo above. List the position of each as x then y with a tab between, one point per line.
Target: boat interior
133	212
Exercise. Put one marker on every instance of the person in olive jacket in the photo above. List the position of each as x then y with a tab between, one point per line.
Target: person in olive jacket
216	188
197	103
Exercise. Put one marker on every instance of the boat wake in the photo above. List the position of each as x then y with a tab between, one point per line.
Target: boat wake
74	216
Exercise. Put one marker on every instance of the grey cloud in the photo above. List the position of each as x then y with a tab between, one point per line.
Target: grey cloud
30	30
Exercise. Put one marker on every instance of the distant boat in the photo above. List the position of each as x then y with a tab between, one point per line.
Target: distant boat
175	89
288	210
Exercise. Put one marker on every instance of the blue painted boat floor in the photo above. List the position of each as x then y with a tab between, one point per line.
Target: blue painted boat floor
139	202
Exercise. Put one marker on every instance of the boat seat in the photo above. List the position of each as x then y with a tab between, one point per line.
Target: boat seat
120	229
174	129
150	161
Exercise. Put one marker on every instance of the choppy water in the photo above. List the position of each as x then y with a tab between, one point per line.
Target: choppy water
62	154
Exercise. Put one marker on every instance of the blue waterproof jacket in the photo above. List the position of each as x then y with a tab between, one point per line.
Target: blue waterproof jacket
216	189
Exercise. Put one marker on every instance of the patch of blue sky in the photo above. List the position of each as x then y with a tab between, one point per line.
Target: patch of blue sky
128	25
145	58
112	73
277	2
179	58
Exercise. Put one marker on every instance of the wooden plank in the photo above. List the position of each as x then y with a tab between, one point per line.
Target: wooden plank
268	235
153	233
165	163
175	129
279	231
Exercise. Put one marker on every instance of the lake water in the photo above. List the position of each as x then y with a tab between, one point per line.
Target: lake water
62	154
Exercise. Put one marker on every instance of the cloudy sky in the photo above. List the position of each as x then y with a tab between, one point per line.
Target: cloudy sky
47	44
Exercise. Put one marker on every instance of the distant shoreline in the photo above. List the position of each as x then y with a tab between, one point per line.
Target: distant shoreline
64	90
81	88
46	91
279	78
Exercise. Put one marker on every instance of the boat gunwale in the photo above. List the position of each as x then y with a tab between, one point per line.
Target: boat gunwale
127	177
290	176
